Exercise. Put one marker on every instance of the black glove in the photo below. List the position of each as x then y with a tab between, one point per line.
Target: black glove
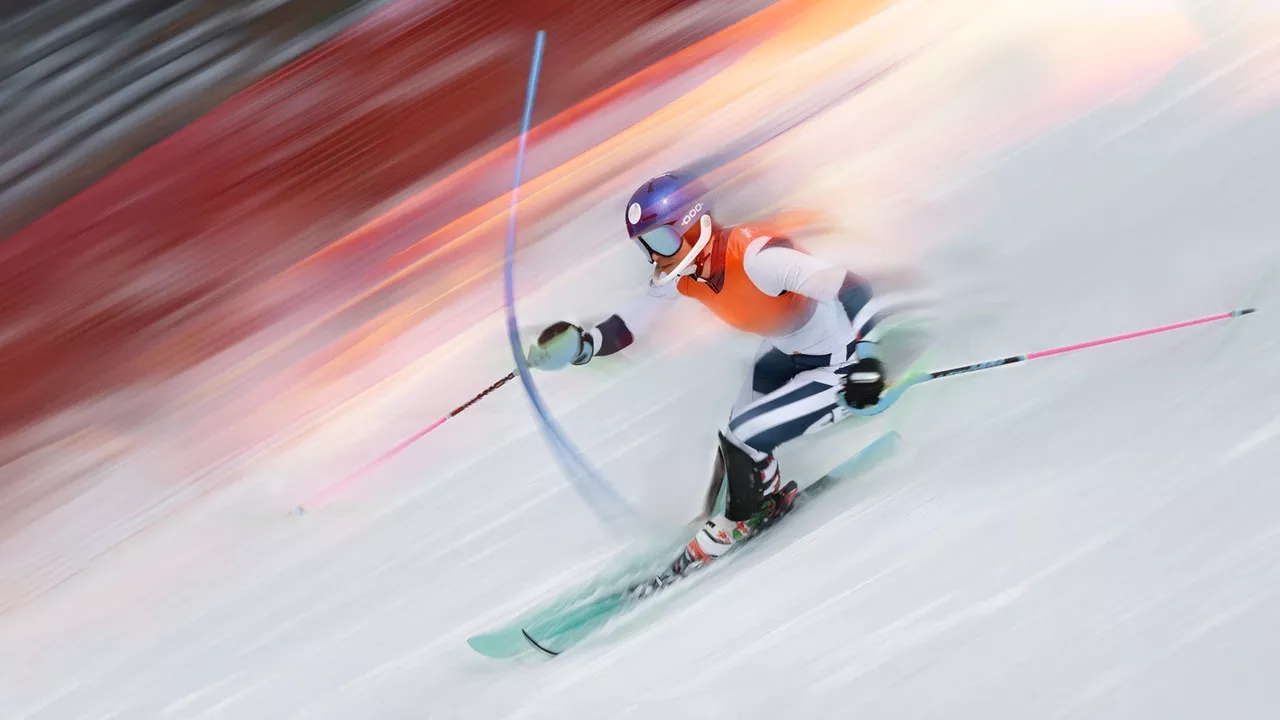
863	384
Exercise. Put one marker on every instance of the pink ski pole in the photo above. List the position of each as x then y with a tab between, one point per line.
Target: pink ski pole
323	496
892	394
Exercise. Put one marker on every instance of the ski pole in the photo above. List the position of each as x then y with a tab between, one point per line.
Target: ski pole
892	394
332	488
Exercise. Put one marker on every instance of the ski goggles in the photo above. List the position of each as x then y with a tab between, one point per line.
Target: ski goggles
663	240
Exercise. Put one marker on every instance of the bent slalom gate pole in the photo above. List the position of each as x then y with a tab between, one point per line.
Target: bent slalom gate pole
320	497
892	394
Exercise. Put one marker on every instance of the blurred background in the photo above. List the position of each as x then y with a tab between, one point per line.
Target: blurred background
184	186
131	278
247	247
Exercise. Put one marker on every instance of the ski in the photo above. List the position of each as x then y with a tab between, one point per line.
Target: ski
554	628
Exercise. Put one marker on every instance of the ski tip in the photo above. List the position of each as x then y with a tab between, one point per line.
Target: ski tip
498	645
1245	311
508	643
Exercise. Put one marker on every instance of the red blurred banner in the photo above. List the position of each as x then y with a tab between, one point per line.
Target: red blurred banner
134	279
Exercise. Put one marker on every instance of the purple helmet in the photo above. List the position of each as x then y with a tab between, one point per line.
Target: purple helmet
664	210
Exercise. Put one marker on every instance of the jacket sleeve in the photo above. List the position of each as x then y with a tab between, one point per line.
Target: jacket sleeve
775	266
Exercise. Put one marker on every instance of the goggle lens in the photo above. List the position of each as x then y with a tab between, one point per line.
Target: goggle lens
663	240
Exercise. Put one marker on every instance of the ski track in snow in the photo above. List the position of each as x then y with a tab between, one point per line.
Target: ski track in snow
1088	536
1258	439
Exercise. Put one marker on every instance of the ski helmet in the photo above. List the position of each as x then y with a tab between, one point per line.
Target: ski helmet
666	209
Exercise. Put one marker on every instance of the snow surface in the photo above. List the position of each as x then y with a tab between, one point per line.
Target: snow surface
1087	536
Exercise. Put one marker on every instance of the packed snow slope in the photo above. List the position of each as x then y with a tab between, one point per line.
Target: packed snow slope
1088	536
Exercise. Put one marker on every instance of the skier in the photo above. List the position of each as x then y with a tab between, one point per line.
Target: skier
819	356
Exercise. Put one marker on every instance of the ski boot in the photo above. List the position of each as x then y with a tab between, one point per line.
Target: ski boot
720	535
756	494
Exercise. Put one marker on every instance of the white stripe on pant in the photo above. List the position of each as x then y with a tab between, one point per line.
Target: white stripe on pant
805	398
792	410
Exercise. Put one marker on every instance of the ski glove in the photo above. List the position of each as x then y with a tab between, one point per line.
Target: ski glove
863	385
560	345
